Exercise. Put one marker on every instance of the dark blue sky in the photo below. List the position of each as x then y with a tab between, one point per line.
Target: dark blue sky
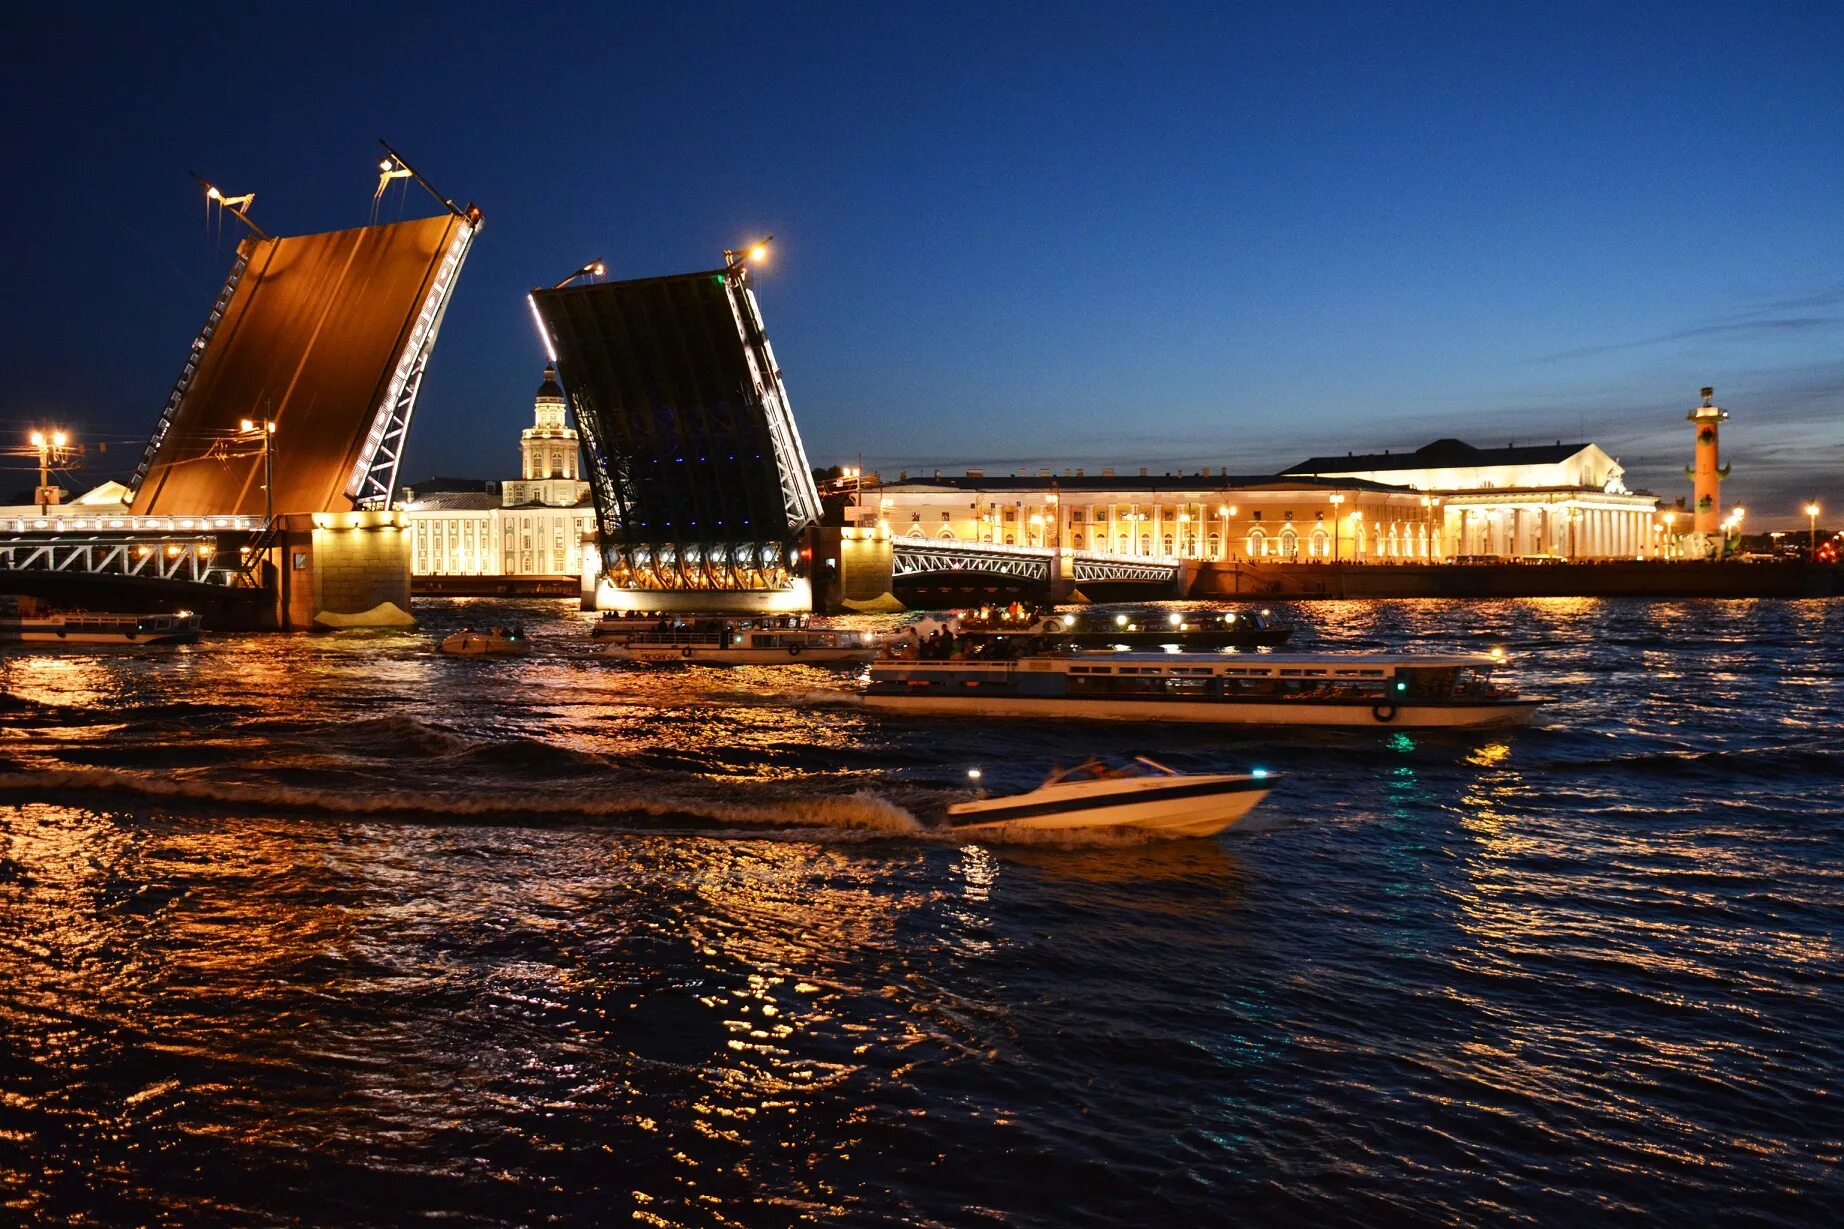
1168	235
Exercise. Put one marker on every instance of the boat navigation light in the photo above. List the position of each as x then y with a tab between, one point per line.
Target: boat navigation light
1258	772
1175	620
973	774
1120	620
1499	653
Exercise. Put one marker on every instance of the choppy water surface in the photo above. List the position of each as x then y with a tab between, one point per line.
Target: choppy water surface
333	930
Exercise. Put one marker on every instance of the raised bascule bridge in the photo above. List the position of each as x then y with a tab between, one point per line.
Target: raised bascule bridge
264	493
704	497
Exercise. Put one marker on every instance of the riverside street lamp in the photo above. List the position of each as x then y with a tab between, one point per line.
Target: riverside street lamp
1337	500
1812	530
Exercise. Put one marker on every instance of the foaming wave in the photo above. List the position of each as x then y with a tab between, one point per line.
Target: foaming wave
861	811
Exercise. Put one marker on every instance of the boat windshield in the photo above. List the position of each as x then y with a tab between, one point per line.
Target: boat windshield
1097	769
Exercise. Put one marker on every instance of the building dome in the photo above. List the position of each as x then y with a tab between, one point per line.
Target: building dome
550	389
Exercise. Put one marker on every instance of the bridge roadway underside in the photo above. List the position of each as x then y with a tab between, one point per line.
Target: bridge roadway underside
324	335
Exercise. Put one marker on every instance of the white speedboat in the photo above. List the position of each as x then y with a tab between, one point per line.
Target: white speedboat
494	642
1145	797
27	621
744	642
1413	691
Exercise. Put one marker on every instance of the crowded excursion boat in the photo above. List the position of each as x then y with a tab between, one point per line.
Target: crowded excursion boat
744	642
26	620
1143	796
1415	691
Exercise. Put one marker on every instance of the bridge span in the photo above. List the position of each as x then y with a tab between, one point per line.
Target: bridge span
269	475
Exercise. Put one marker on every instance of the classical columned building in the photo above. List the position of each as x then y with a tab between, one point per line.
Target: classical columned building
1562	500
532	525
1201	516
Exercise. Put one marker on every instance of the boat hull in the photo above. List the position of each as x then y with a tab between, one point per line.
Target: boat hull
1335	714
51	633
1183	807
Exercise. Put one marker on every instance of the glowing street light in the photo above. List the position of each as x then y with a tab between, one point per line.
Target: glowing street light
753	253
1337	502
53	447
594	268
1812	529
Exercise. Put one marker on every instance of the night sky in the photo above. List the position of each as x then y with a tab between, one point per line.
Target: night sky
1169	236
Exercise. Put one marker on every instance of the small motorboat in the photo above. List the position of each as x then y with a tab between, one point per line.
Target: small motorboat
494	642
1143	796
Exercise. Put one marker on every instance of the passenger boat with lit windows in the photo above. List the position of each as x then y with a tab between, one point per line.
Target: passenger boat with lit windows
1411	691
767	641
1144	797
27	621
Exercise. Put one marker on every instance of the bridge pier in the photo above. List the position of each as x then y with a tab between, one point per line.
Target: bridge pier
340	569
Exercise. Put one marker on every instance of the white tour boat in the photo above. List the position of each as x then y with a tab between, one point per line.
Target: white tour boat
494	642
27	621
1145	797
1414	691
745	642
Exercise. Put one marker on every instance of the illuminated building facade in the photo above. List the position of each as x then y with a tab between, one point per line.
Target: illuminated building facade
534	525
1201	516
1565	501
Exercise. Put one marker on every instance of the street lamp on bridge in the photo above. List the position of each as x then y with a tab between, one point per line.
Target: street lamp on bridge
753	253
594	268
264	431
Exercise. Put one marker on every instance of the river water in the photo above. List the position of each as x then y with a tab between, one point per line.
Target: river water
333	930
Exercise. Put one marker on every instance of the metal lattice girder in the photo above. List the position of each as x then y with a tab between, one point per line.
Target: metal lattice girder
1120	569
923	558
192	559
688	437
193	358
374	475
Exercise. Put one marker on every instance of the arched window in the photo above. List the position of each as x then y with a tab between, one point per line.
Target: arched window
947	533
1215	546
916	531
1009	540
1168	544
1258	544
1146	544
1319	546
1075	540
1290	543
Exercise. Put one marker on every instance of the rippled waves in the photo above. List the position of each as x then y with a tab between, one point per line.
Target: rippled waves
332	930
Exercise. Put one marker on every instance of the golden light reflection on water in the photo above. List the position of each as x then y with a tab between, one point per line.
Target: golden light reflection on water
76	680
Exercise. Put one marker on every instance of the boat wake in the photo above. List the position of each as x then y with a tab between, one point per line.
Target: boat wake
634	802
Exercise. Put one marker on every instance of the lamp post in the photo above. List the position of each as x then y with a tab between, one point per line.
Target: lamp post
1812	531
757	252
266	433
1671	520
50	447
1337	502
1225	511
